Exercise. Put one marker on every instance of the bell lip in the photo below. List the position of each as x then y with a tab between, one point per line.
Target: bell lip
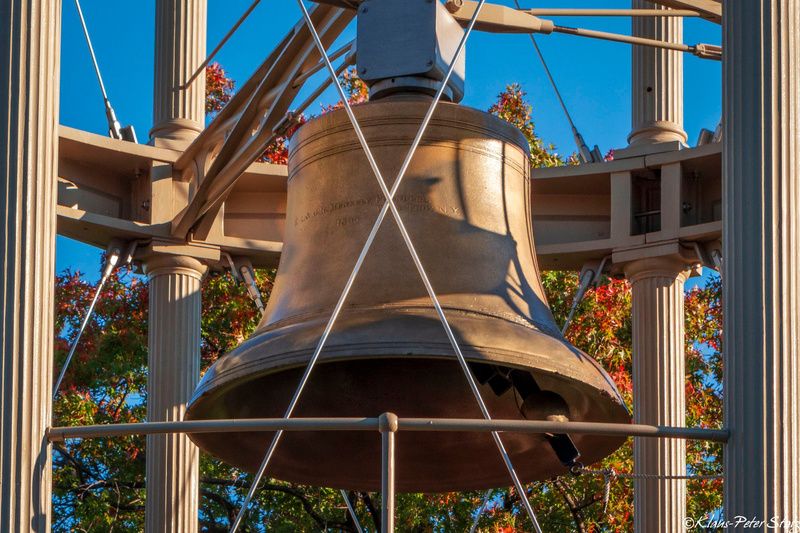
343	353
589	391
227	448
244	357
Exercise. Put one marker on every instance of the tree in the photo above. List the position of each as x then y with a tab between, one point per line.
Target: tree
99	483
219	89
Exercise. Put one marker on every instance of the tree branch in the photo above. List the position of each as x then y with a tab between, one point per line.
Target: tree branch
575	508
373	512
290	491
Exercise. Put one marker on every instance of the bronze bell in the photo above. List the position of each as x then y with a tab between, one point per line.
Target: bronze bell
466	203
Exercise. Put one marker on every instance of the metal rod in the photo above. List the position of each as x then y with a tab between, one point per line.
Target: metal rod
256	146
389	195
303	76
91	50
368	244
584	151
230	425
321	89
550	77
388	427
546	426
114	127
74	345
701	50
352	511
585	280
234	425
577	12
111	261
219	46
608	36
481	509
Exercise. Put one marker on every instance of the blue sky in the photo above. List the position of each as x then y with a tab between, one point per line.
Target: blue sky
594	76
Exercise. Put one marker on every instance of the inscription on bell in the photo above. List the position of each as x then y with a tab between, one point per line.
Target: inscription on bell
409	203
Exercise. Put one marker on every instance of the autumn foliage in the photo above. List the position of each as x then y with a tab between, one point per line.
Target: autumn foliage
219	88
99	483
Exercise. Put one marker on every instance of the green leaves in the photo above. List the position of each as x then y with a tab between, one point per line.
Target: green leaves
512	107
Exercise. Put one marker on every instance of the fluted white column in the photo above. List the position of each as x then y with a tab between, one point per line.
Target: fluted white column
657	80
29	77
174	370
761	254
180	48
658	391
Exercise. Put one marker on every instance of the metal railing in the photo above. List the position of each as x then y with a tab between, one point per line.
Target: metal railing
387	425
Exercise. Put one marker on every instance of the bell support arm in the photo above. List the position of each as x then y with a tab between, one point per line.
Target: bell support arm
708	9
219	155
502	19
224	181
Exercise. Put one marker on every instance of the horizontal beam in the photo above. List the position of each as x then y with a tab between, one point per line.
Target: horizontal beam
591	12
572	205
372	424
578	428
708	9
705	51
502	19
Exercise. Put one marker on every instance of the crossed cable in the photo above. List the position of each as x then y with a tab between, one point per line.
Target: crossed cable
387	206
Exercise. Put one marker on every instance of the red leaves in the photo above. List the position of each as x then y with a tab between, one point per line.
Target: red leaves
512	107
229	315
219	88
356	90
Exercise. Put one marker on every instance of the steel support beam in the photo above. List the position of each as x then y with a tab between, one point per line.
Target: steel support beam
30	39
595	12
220	155
761	272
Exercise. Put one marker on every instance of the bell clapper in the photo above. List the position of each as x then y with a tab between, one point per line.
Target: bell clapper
537	404
564	447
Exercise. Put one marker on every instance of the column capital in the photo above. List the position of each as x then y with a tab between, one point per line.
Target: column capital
163	264
651	267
